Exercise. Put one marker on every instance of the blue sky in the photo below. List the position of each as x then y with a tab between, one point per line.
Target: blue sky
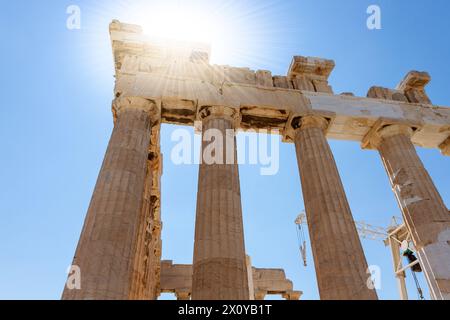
55	123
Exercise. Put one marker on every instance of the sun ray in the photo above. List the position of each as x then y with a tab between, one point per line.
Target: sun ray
240	34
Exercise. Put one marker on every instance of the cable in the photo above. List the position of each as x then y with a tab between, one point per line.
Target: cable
419	289
301	243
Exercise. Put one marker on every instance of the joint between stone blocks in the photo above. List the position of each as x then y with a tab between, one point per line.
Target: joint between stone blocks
374	136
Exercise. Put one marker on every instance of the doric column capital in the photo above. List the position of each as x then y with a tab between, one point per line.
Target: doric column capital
137	103
310	121
298	122
445	147
384	128
395	129
260	294
183	294
222	112
292	295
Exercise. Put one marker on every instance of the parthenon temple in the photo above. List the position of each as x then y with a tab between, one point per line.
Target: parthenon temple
164	81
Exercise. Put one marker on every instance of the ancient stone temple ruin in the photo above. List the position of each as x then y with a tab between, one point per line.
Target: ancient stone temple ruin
160	81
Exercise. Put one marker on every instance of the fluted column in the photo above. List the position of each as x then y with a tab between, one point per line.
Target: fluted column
138	288
146	259
106	250
423	209
219	269
338	255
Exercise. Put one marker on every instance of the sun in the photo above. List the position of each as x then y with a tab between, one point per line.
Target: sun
186	26
201	24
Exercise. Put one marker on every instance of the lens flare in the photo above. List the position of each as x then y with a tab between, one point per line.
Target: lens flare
186	26
211	25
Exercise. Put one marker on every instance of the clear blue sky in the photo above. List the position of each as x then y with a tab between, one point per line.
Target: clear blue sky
55	123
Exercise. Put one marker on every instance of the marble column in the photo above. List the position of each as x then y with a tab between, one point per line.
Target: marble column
146	260
106	250
219	269
341	267
423	209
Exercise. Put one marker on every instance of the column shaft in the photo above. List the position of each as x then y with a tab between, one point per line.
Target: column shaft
106	248
423	209
219	269
145	279
341	267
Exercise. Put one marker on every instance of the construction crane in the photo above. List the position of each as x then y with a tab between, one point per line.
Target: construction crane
365	231
396	236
